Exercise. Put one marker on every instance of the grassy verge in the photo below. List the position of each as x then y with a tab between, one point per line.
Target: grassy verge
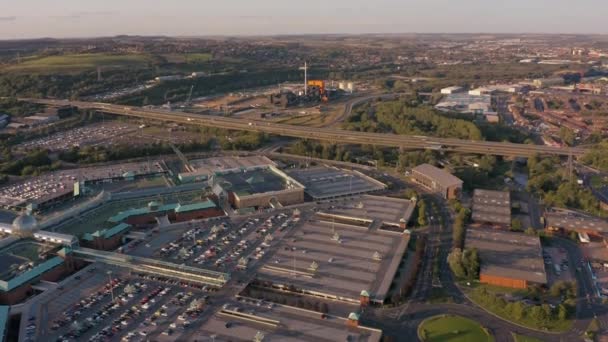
79	62
532	316
453	329
598	181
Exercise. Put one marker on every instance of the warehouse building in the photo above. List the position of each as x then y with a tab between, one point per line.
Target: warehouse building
451	90
14	290
565	221
175	212
508	259
345	253
492	208
325	182
106	239
283	323
437	180
261	187
203	169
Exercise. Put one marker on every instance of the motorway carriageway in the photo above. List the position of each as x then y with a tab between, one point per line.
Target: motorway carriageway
327	134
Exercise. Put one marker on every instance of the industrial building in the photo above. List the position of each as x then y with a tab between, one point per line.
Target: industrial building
283	323
17	288
464	103
26	225
256	188
374	211
351	254
203	169
172	212
324	182
106	239
508	259
492	208
452	90
482	91
565	221
437	180
548	82
246	182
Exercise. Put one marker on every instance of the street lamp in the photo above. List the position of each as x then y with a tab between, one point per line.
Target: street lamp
111	287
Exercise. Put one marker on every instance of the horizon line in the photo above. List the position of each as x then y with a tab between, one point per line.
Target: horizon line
245	35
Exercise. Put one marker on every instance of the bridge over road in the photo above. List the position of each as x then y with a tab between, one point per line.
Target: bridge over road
155	267
326	134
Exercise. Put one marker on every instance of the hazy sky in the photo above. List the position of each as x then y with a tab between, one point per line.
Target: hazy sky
78	18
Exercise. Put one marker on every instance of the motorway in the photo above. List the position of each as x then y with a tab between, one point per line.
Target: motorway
326	134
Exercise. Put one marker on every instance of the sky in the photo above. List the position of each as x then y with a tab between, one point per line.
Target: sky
88	18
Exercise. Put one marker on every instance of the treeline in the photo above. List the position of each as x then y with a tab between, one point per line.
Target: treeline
316	149
464	264
403	117
100	154
34	163
463	215
421	219
69	85
175	91
597	157
17	108
537	316
552	182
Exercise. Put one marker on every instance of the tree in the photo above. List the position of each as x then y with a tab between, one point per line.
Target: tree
455	262
531	231
562	312
518	310
537	313
471	263
594	326
567	135
422	220
557	288
516	225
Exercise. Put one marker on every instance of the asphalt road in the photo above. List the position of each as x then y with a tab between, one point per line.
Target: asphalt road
327	134
403	320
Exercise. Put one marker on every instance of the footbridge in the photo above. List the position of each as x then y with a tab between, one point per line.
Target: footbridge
156	267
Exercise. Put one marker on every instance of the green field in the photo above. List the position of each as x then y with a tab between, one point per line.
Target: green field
190	58
598	181
79	62
452	328
522	338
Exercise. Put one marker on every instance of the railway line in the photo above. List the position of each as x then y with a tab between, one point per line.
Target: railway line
327	134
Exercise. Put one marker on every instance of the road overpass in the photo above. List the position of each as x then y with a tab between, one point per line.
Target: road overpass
326	134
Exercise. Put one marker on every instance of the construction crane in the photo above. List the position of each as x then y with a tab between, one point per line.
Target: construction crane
189	99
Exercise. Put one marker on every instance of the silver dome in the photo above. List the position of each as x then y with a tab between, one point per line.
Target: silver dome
25	223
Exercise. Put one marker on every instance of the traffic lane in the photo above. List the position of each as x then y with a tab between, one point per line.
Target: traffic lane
332	134
587	308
